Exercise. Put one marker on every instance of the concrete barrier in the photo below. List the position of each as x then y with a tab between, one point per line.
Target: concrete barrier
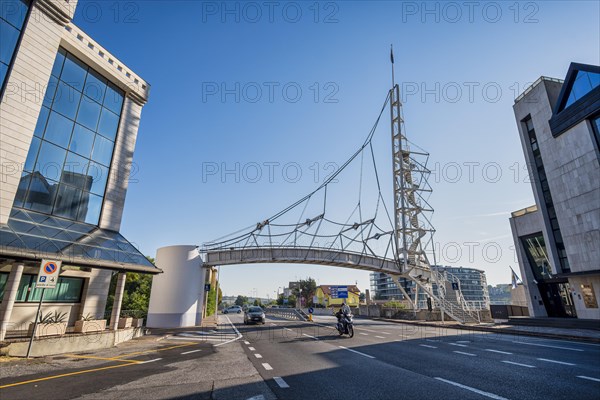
288	313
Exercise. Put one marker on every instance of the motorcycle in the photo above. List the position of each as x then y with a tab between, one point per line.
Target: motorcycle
345	325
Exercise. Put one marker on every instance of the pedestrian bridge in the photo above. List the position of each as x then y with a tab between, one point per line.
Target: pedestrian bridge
300	255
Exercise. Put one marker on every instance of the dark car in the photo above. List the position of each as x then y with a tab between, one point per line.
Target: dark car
254	314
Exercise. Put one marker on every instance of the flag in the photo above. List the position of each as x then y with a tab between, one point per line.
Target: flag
513	278
392	54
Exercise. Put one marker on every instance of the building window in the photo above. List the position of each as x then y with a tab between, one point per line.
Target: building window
3	280
68	290
589	297
546	195
584	83
68	163
13	14
596	129
535	248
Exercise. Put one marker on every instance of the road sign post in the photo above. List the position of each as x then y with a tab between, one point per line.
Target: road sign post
47	279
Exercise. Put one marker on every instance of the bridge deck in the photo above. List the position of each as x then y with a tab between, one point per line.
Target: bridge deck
299	255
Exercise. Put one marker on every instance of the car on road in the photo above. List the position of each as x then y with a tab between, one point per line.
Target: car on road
254	314
232	309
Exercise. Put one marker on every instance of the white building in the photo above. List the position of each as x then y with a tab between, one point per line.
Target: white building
69	117
558	239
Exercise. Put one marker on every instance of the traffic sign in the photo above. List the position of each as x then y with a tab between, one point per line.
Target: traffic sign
311	310
339	292
207	287
48	275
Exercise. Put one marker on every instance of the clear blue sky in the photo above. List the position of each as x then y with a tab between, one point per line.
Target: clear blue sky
471	62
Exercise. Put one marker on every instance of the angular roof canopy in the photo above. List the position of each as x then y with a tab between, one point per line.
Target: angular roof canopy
581	79
33	235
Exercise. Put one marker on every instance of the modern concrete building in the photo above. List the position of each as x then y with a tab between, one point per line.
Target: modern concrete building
557	240
473	285
69	117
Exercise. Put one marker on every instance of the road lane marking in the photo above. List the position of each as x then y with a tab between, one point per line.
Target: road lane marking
431	340
65	375
288	329
312	337
498	351
257	355
547	345
458	344
428	346
357	352
579	376
362	333
154	350
239	335
150	361
267	366
380	337
385	333
466	354
519	364
246	342
556	362
251	348
191	351
103	358
282	384
472	389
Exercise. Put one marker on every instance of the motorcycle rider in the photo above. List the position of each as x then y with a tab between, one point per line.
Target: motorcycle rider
342	313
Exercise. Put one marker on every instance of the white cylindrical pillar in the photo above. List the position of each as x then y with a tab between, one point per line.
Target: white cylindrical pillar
177	295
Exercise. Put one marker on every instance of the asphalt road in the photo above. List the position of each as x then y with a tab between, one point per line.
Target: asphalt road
396	361
298	360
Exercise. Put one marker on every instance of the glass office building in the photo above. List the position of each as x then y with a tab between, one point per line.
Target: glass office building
557	240
70	113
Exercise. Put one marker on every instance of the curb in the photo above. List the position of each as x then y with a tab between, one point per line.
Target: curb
496	330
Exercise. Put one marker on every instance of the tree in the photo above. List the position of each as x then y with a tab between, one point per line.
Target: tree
362	297
257	302
210	302
241	300
307	289
136	296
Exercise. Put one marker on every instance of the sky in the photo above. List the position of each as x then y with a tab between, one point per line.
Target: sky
253	104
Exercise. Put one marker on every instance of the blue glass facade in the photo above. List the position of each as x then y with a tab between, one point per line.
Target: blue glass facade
12	18
585	82
68	163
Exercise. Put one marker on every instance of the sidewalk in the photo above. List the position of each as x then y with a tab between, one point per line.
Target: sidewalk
585	335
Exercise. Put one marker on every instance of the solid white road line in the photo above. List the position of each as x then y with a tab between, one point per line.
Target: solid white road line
251	349
498	351
267	366
466	354
588	378
238	337
357	352
192	351
149	361
282	384
312	337
428	346
458	344
519	364
481	392
547	345
555	362
380	337
257	355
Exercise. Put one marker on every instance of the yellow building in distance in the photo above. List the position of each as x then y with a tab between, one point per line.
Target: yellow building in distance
323	296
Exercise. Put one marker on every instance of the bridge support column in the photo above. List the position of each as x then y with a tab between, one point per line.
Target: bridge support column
177	296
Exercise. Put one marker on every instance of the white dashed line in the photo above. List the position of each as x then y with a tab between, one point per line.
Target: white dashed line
465	354
267	366
312	337
555	362
458	344
519	364
246	342
257	355
282	384
498	351
149	361
357	352
192	351
481	392
362	333
380	337
251	349
428	346
385	333
588	378
547	345
288	329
